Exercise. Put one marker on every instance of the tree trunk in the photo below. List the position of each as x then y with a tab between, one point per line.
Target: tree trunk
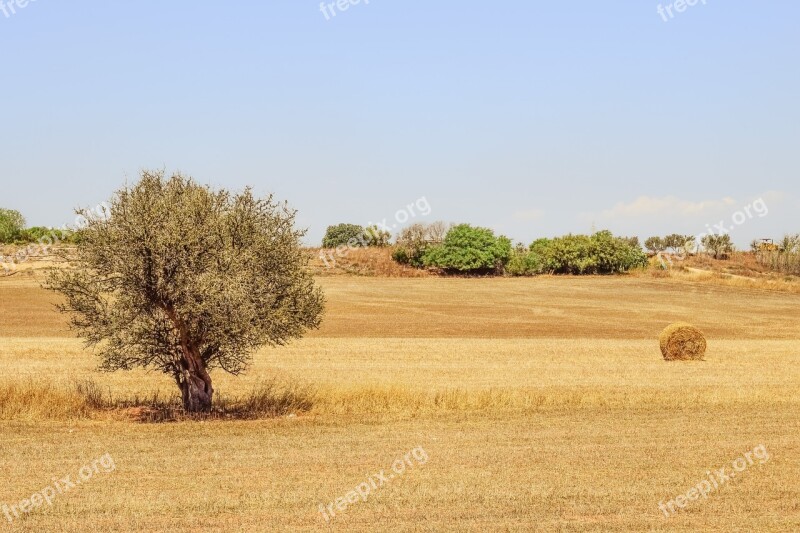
195	384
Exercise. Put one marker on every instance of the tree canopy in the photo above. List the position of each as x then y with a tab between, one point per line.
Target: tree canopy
185	279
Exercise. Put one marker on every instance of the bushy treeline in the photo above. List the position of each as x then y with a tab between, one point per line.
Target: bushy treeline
469	249
600	253
13	231
354	236
720	246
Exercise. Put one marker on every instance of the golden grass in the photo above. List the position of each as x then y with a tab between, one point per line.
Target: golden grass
742	271
543	404
376	262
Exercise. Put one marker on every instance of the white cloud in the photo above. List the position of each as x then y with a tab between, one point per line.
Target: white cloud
648	206
531	214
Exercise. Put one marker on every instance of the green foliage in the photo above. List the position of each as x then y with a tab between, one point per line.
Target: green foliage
414	240
469	249
350	235
184	279
679	243
524	262
11	225
601	253
377	237
720	246
655	244
48	236
675	243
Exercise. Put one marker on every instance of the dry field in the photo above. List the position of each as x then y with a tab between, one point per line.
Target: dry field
542	404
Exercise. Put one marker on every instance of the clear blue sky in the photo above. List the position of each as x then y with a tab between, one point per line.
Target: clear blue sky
533	118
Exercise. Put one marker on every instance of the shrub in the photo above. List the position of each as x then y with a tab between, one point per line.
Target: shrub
413	241
375	236
601	253
720	246
11	225
344	235
524	262
469	249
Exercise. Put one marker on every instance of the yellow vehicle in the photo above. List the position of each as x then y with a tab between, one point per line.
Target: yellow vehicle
767	245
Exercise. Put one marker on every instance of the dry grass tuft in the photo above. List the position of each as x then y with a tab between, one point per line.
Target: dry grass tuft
33	401
85	399
682	342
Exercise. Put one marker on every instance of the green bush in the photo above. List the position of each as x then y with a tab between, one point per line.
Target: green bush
524	262
344	235
655	245
377	237
601	253
720	246
48	236
414	240
469	249
11	225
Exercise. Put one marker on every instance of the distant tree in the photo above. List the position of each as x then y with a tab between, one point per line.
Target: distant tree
183	279
11	225
375	236
435	232
414	240
469	249
720	246
678	244
350	235
632	241
655	244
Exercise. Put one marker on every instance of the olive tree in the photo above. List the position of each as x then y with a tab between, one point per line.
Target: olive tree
184	279
719	245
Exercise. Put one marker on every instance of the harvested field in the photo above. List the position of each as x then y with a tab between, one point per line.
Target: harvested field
541	403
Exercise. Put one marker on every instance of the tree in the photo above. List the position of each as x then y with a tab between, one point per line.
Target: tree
678	244
185	279
655	245
719	245
469	249
414	240
375	236
350	235
11	225
435	232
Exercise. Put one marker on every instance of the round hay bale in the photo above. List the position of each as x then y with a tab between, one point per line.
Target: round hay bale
682	342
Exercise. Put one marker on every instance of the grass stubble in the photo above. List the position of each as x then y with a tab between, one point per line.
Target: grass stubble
543	404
